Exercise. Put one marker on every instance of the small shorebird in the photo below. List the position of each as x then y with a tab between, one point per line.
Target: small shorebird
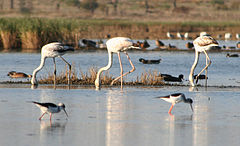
14	74
50	108
176	98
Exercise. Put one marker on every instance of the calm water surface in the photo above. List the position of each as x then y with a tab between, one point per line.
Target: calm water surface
130	117
222	72
111	117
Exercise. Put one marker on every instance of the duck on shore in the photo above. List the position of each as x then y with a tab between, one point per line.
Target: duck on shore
14	74
144	61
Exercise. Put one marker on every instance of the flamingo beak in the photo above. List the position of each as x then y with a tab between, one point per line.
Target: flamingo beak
191	107
65	112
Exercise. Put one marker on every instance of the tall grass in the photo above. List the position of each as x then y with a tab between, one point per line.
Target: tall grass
33	33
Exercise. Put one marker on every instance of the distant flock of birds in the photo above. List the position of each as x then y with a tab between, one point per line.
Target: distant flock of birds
227	36
203	43
160	45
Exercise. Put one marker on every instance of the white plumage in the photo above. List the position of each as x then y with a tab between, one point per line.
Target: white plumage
228	36
50	108
202	44
116	45
176	98
52	50
179	35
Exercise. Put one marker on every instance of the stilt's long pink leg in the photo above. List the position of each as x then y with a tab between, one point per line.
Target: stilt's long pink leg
133	68
170	110
42	115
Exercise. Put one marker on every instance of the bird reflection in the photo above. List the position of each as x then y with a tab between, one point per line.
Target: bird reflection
179	123
53	127
34	86
115	105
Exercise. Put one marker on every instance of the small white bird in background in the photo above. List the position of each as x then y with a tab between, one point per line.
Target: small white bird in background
237	36
203	33
176	98
228	36
52	50
179	35
50	108
169	35
186	36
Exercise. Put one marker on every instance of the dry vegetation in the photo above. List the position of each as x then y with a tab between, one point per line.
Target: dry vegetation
29	24
88	78
158	10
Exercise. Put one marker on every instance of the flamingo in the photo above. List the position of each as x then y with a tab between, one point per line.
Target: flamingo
116	45
52	50
202	44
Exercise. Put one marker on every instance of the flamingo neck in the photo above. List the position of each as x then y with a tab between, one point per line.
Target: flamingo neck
34	80
193	68
97	81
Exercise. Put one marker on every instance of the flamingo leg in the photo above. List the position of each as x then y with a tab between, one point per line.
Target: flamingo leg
206	71
54	72
170	110
121	73
70	69
207	64
133	69
42	115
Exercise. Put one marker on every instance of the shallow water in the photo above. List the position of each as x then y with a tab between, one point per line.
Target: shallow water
114	117
129	117
222	72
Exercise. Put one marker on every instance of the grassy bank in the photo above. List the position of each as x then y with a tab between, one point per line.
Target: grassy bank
33	33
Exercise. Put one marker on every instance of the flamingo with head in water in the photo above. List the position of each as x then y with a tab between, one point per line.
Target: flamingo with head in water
52	50
116	45
202	44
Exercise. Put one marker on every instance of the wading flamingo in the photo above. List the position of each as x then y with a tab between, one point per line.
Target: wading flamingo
52	50
202	44
116	45
176	98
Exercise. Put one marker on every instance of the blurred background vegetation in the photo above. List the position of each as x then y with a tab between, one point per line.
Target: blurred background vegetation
144	10
30	24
